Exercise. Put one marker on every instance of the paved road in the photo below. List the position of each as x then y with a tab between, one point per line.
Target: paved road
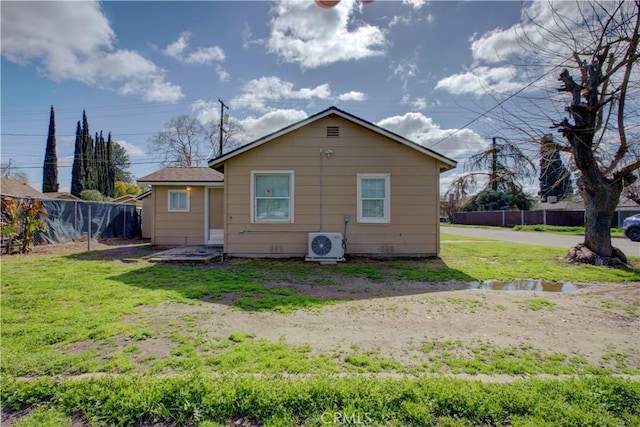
535	238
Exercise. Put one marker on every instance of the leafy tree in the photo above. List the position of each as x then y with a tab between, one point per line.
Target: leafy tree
555	178
121	163
92	195
50	169
123	188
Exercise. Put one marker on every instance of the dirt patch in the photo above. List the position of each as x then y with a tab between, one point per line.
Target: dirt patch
391	317
593	322
107	249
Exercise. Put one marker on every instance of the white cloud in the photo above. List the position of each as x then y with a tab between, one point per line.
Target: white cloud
310	36
352	96
175	49
417	4
482	80
223	75
131	149
256	127
264	93
179	50
75	41
535	41
205	55
454	143
416	103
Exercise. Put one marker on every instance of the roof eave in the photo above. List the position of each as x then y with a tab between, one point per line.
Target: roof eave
190	183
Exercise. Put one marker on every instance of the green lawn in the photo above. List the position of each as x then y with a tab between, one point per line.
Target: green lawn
53	306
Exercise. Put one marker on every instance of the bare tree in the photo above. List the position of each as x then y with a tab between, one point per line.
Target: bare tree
180	143
592	47
232	137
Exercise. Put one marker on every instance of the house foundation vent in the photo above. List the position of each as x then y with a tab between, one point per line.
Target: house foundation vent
333	132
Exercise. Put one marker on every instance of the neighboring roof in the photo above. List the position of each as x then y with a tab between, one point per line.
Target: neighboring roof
183	176
143	195
61	195
447	162
13	187
127	198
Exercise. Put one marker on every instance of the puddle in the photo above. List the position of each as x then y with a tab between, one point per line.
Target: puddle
525	285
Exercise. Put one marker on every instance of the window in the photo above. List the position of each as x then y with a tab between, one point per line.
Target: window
272	196
374	197
178	201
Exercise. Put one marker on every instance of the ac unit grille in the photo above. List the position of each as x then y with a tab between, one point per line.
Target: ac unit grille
325	247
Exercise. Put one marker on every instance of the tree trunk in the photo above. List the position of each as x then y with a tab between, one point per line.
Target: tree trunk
599	210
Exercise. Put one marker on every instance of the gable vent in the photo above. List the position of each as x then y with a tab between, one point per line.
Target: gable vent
333	131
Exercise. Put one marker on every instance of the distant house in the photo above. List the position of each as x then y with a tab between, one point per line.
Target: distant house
330	173
184	207
18	189
60	195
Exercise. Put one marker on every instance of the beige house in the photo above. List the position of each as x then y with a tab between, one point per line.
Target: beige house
332	173
184	207
331	179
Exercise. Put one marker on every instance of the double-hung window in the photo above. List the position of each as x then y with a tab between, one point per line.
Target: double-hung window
178	201
374	198
272	196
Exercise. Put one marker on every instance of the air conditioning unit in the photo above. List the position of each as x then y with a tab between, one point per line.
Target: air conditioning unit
325	247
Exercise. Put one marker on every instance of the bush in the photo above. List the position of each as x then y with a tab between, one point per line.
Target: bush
92	196
193	399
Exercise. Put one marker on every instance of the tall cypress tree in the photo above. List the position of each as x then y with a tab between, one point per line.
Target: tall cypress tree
93	162
77	171
88	173
111	168
50	169
555	179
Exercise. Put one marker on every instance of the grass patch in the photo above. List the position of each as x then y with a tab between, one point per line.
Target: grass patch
540	304
456	358
632	308
188	400
512	261
560	229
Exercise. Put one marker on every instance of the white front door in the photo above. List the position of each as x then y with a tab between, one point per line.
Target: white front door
213	216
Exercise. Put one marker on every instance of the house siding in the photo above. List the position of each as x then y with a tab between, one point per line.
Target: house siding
414	224
178	228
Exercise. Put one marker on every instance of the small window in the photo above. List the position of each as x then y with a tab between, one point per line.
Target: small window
272	196
374	198
178	201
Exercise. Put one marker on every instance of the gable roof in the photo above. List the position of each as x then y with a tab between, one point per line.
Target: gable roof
183	176
446	162
15	188
61	195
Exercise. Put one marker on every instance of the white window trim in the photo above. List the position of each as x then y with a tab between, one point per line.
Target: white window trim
187	192
291	174
386	219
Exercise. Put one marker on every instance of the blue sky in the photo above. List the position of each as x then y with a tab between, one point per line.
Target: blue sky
424	69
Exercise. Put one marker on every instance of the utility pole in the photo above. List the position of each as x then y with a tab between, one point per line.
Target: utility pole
222	122
494	166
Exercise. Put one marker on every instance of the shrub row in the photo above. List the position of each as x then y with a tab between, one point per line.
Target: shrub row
194	400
